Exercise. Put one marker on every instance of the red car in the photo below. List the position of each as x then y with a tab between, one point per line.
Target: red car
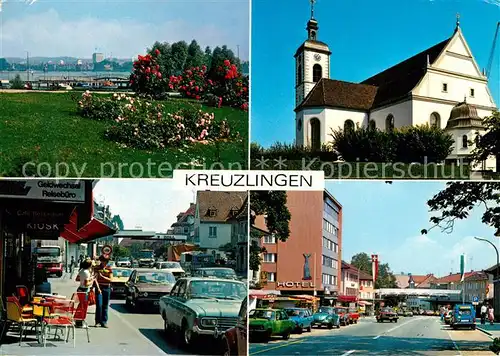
353	316
234	341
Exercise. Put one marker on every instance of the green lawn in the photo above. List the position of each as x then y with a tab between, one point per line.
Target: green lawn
45	128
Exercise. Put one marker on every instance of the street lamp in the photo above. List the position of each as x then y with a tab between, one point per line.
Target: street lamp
496	250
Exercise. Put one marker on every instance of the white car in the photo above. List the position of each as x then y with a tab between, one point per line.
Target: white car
173	267
123	263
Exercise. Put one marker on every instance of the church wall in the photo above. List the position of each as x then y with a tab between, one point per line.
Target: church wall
457	89
336	118
457	46
402	115
299	134
307	116
458	64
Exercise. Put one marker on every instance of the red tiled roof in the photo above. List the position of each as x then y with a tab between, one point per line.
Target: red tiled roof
456	277
221	202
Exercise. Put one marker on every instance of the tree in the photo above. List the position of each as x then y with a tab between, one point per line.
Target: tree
178	54
117	221
4	65
363	262
164	59
385	278
273	204
17	83
120	251
219	55
208	57
195	56
135	248
488	144
457	201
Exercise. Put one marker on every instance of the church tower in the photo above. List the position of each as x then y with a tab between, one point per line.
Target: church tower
312	61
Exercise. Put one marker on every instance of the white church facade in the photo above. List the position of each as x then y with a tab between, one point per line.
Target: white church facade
423	89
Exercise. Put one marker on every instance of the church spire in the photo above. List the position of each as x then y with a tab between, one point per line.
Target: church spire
313	2
312	25
457	28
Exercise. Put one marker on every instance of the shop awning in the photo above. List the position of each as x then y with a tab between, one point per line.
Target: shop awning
259	293
93	230
347	298
362	302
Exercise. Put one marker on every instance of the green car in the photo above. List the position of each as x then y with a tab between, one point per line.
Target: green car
326	316
199	307
265	323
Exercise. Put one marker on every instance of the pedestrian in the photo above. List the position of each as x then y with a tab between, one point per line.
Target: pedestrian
103	273
86	279
72	264
491	315
441	310
484	310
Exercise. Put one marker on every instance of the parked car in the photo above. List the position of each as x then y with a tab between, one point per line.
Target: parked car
353	316
119	280
234	341
326	316
202	307
215	272
174	267
123	262
408	313
448	317
387	314
464	315
343	313
302	317
266	323
146	287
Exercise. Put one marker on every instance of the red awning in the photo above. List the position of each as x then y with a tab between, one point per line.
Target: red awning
92	230
347	298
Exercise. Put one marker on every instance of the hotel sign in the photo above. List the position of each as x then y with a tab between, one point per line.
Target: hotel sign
291	284
70	191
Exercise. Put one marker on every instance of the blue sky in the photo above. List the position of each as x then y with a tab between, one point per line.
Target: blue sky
152	205
365	37
123	28
386	219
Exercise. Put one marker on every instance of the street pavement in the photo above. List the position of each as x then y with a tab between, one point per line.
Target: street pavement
129	333
410	336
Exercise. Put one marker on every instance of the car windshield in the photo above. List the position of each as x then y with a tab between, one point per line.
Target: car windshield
217	289
386	310
123	259
295	312
340	310
465	311
120	273
326	310
261	314
170	265
219	273
156	277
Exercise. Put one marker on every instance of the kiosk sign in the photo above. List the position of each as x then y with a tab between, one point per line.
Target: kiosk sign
106	250
64	190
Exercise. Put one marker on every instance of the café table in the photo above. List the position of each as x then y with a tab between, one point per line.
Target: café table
52	296
45	305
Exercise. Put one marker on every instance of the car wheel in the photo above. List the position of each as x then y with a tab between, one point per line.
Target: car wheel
187	335
473	327
330	326
166	327
356	321
396	320
128	303
226	347
286	335
300	329
309	329
338	326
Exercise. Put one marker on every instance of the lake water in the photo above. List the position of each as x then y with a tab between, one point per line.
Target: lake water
40	75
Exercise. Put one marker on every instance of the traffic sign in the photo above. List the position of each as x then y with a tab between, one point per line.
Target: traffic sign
475	299
106	250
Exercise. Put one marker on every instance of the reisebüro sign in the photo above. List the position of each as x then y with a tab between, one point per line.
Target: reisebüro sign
71	191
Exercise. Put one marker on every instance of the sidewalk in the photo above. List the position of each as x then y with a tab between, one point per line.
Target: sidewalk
122	338
491	330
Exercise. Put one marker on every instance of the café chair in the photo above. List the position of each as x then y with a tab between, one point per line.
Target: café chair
23	296
62	317
15	316
80	316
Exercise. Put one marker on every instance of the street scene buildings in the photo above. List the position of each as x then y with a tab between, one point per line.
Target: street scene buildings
112	267
360	233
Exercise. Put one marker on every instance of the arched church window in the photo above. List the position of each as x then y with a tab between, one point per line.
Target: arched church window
435	120
299	125
313	35
317	73
465	141
349	126
389	123
315	134
372	125
299	74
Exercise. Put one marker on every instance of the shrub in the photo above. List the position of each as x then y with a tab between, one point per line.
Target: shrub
407	145
147	78
191	84
17	83
213	100
100	108
292	152
229	84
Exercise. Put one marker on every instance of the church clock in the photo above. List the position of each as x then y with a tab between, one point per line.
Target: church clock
317	57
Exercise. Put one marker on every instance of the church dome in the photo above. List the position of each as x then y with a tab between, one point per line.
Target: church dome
464	115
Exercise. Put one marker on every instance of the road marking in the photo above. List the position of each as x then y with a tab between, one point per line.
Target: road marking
454	343
276	347
396	327
117	314
376	337
349	352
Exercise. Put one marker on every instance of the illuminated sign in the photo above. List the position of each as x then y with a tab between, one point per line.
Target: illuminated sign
291	284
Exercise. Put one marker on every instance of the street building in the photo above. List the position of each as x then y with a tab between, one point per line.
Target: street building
409	280
476	284
185	223
442	86
357	289
215	218
308	263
